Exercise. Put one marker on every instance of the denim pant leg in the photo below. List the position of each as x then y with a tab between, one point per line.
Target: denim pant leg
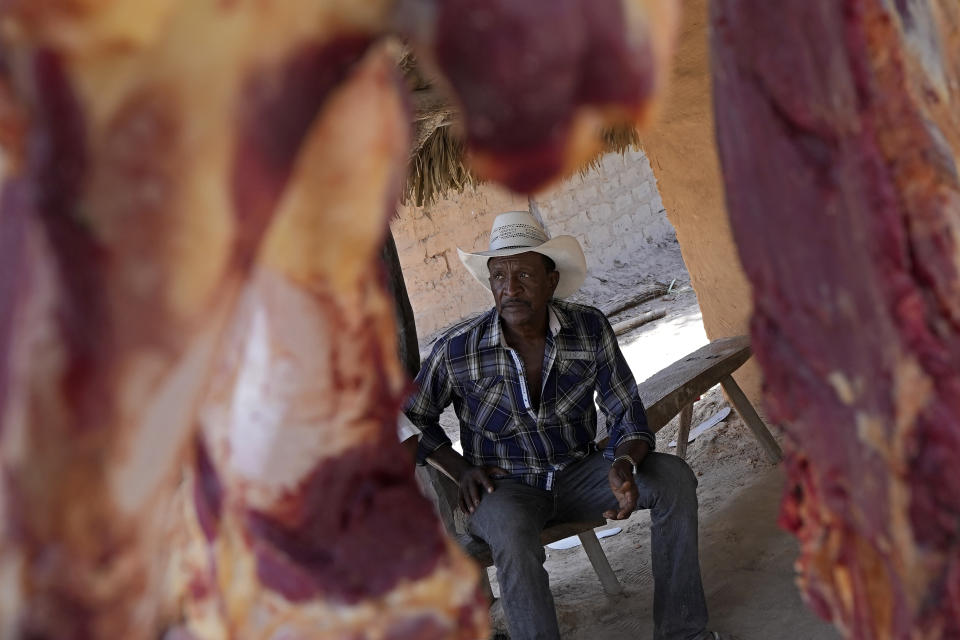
668	487
510	521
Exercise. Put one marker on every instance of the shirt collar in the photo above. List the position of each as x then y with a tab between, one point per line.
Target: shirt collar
553	321
556	320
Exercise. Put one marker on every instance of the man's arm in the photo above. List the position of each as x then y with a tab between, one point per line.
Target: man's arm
423	408
434	391
472	481
618	395
408	435
622	481
630	436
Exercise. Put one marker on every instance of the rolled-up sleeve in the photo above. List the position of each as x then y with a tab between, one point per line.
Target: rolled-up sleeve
618	395
434	390
405	428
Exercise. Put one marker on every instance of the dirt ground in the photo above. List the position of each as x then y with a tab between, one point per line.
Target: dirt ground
746	560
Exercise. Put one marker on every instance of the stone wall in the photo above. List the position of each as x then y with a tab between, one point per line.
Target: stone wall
612	210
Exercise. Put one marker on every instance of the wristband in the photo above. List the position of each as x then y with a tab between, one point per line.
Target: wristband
633	465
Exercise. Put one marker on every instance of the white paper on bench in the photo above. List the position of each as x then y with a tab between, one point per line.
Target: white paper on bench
703	426
574	541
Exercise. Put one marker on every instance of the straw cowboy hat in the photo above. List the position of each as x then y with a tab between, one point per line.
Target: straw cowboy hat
517	232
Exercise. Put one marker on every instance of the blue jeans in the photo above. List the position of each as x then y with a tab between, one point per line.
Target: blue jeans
511	518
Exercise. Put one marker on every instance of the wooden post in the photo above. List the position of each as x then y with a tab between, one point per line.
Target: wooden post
749	415
683	433
407	346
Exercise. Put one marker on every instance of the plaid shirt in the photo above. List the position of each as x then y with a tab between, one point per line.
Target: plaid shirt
472	366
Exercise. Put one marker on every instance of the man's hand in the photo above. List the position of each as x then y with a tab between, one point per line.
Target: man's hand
474	482
622	483
624	488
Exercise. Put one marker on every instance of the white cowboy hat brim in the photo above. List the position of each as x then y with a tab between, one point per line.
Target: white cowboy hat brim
565	252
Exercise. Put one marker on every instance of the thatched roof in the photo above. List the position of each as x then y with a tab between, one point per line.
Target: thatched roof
437	163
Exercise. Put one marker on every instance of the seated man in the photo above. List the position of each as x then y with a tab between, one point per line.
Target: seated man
522	379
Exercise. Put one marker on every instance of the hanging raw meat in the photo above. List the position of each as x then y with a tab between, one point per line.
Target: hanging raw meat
536	79
194	197
311	521
839	135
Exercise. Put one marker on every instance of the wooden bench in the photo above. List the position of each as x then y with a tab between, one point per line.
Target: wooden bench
674	389
669	392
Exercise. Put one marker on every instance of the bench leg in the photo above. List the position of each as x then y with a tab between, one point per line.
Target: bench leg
485	585
749	415
600	563
683	433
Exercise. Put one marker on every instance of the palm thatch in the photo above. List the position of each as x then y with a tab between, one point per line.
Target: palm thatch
438	166
437	162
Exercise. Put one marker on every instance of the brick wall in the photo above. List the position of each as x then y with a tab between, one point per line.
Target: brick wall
612	210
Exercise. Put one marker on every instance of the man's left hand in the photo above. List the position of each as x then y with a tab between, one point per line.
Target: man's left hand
622	483
624	488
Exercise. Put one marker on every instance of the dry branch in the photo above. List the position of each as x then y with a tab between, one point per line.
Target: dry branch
644	295
621	328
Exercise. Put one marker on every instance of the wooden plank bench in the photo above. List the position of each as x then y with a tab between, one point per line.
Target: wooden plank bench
669	392
674	389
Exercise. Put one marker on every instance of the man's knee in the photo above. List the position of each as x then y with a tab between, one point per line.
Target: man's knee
506	532
671	475
679	471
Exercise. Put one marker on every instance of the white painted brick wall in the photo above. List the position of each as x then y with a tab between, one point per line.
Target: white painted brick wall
612	210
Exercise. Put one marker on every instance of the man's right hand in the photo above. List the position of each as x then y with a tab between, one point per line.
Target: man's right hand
474	482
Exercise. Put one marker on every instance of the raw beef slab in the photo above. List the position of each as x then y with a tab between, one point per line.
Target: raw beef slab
838	125
198	373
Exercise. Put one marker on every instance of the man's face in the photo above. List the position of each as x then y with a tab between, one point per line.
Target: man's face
521	287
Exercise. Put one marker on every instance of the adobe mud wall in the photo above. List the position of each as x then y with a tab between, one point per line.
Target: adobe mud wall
682	151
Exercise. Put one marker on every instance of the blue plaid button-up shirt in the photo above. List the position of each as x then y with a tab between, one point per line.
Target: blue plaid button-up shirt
473	367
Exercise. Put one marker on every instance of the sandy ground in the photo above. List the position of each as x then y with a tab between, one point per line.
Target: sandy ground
746	559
